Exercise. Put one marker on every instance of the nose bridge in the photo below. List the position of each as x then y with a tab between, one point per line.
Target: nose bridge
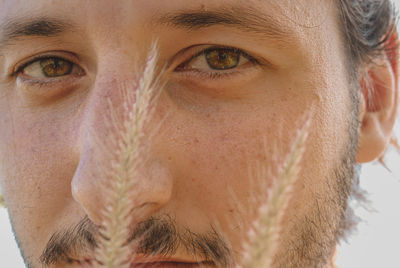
110	150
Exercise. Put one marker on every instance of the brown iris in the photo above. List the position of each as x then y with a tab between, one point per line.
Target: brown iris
222	58
53	67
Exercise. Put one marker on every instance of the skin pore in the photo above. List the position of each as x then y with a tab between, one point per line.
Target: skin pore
62	60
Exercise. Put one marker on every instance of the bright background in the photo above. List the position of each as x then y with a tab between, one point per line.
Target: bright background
376	244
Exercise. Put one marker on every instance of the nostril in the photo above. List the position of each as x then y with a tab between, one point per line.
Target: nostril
86	192
152	190
86	201
145	210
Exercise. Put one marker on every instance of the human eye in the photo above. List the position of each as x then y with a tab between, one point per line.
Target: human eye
49	75
46	68
217	62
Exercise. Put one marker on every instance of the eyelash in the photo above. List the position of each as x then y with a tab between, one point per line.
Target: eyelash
21	68
215	75
63	81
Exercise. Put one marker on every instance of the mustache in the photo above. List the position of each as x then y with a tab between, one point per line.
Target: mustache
154	236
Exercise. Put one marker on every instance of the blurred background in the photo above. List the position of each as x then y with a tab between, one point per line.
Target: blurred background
375	244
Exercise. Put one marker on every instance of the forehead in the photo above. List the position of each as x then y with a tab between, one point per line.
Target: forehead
290	13
302	27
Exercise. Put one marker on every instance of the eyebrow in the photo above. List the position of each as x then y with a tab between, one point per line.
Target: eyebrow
38	27
247	19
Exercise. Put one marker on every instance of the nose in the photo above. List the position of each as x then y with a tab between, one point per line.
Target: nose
116	162
146	191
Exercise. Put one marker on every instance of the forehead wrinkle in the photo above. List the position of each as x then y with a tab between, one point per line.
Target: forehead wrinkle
245	18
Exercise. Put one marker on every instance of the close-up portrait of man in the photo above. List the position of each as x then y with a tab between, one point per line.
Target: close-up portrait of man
180	133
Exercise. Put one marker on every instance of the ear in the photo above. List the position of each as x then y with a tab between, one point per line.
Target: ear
379	104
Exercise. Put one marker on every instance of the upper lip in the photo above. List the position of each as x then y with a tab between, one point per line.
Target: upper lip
153	259
145	259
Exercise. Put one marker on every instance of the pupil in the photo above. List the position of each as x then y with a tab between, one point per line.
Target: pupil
222	59
55	67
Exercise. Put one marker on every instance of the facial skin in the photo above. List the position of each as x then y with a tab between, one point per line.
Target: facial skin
213	126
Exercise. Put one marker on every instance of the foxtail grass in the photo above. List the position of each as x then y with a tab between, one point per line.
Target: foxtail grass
262	241
128	146
2	203
128	141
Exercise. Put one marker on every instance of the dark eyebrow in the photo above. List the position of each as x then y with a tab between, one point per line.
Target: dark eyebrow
38	27
247	19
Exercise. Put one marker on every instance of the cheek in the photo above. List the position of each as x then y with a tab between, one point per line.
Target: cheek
214	155
217	153
37	168
42	162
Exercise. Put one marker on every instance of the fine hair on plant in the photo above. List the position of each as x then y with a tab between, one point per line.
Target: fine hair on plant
127	150
127	147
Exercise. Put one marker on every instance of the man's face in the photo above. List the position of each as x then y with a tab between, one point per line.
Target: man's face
241	76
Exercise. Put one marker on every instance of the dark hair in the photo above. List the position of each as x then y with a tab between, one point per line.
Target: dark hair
368	26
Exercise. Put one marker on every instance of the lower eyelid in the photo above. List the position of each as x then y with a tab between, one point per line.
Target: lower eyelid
43	90
244	62
211	75
48	81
